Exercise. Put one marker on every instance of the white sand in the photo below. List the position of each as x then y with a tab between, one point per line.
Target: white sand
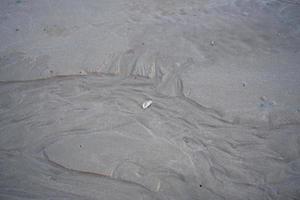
223	76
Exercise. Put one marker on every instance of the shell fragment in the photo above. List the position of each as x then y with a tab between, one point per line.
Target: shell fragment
147	104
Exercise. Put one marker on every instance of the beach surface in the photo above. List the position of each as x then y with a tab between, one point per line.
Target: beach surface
222	83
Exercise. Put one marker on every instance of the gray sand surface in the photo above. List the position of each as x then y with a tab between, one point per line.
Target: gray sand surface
224	78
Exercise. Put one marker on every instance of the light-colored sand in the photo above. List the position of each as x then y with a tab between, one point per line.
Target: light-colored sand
223	77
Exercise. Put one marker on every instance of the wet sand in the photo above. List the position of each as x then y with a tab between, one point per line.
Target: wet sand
224	82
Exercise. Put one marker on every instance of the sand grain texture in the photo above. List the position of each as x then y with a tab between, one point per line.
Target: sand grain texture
223	78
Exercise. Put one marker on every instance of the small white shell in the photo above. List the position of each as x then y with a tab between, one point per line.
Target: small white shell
147	104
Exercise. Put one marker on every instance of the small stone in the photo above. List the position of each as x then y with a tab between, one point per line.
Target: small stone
17	29
82	72
244	84
262	105
263	98
185	139
147	104
182	12
212	43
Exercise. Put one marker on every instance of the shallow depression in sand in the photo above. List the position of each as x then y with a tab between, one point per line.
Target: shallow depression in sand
107	153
